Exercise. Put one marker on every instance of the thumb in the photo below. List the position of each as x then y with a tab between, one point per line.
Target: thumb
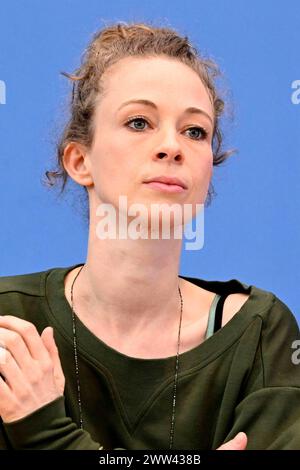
49	342
239	442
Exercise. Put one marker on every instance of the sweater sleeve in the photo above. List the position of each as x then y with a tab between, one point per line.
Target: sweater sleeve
270	414
48	428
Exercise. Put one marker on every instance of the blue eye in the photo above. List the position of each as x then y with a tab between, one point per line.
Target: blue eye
203	132
136	119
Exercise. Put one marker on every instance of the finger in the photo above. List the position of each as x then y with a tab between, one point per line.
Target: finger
49	341
14	343
29	334
2	353
6	397
5	392
12	374
239	442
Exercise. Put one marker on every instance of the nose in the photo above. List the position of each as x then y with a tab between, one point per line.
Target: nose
169	156
169	149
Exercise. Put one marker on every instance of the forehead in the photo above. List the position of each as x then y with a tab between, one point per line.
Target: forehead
165	81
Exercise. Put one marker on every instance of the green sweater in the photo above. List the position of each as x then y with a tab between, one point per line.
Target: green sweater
242	378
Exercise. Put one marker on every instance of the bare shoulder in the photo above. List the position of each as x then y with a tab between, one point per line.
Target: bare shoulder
232	305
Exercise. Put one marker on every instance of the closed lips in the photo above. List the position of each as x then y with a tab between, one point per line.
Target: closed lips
167	180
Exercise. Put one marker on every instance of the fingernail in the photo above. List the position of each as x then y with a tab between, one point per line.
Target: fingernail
239	436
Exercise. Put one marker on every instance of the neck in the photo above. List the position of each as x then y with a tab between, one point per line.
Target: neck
129	285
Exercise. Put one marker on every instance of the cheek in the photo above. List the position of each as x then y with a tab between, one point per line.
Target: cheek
202	176
111	167
203	167
107	157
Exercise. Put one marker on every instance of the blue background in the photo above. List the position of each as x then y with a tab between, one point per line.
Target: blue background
252	226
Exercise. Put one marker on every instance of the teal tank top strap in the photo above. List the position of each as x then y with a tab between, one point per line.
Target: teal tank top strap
211	317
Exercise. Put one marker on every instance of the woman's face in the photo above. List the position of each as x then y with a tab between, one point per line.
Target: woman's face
124	154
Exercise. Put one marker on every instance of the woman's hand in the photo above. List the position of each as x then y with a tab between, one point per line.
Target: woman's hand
31	367
239	442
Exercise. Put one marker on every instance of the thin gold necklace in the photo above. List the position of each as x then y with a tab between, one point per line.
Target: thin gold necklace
77	367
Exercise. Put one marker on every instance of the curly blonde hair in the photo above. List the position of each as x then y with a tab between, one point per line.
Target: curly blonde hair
107	47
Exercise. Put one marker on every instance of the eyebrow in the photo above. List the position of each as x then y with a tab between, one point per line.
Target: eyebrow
192	109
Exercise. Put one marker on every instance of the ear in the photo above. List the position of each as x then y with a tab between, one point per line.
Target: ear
77	163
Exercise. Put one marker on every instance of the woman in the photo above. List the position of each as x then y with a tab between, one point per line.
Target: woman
136	360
